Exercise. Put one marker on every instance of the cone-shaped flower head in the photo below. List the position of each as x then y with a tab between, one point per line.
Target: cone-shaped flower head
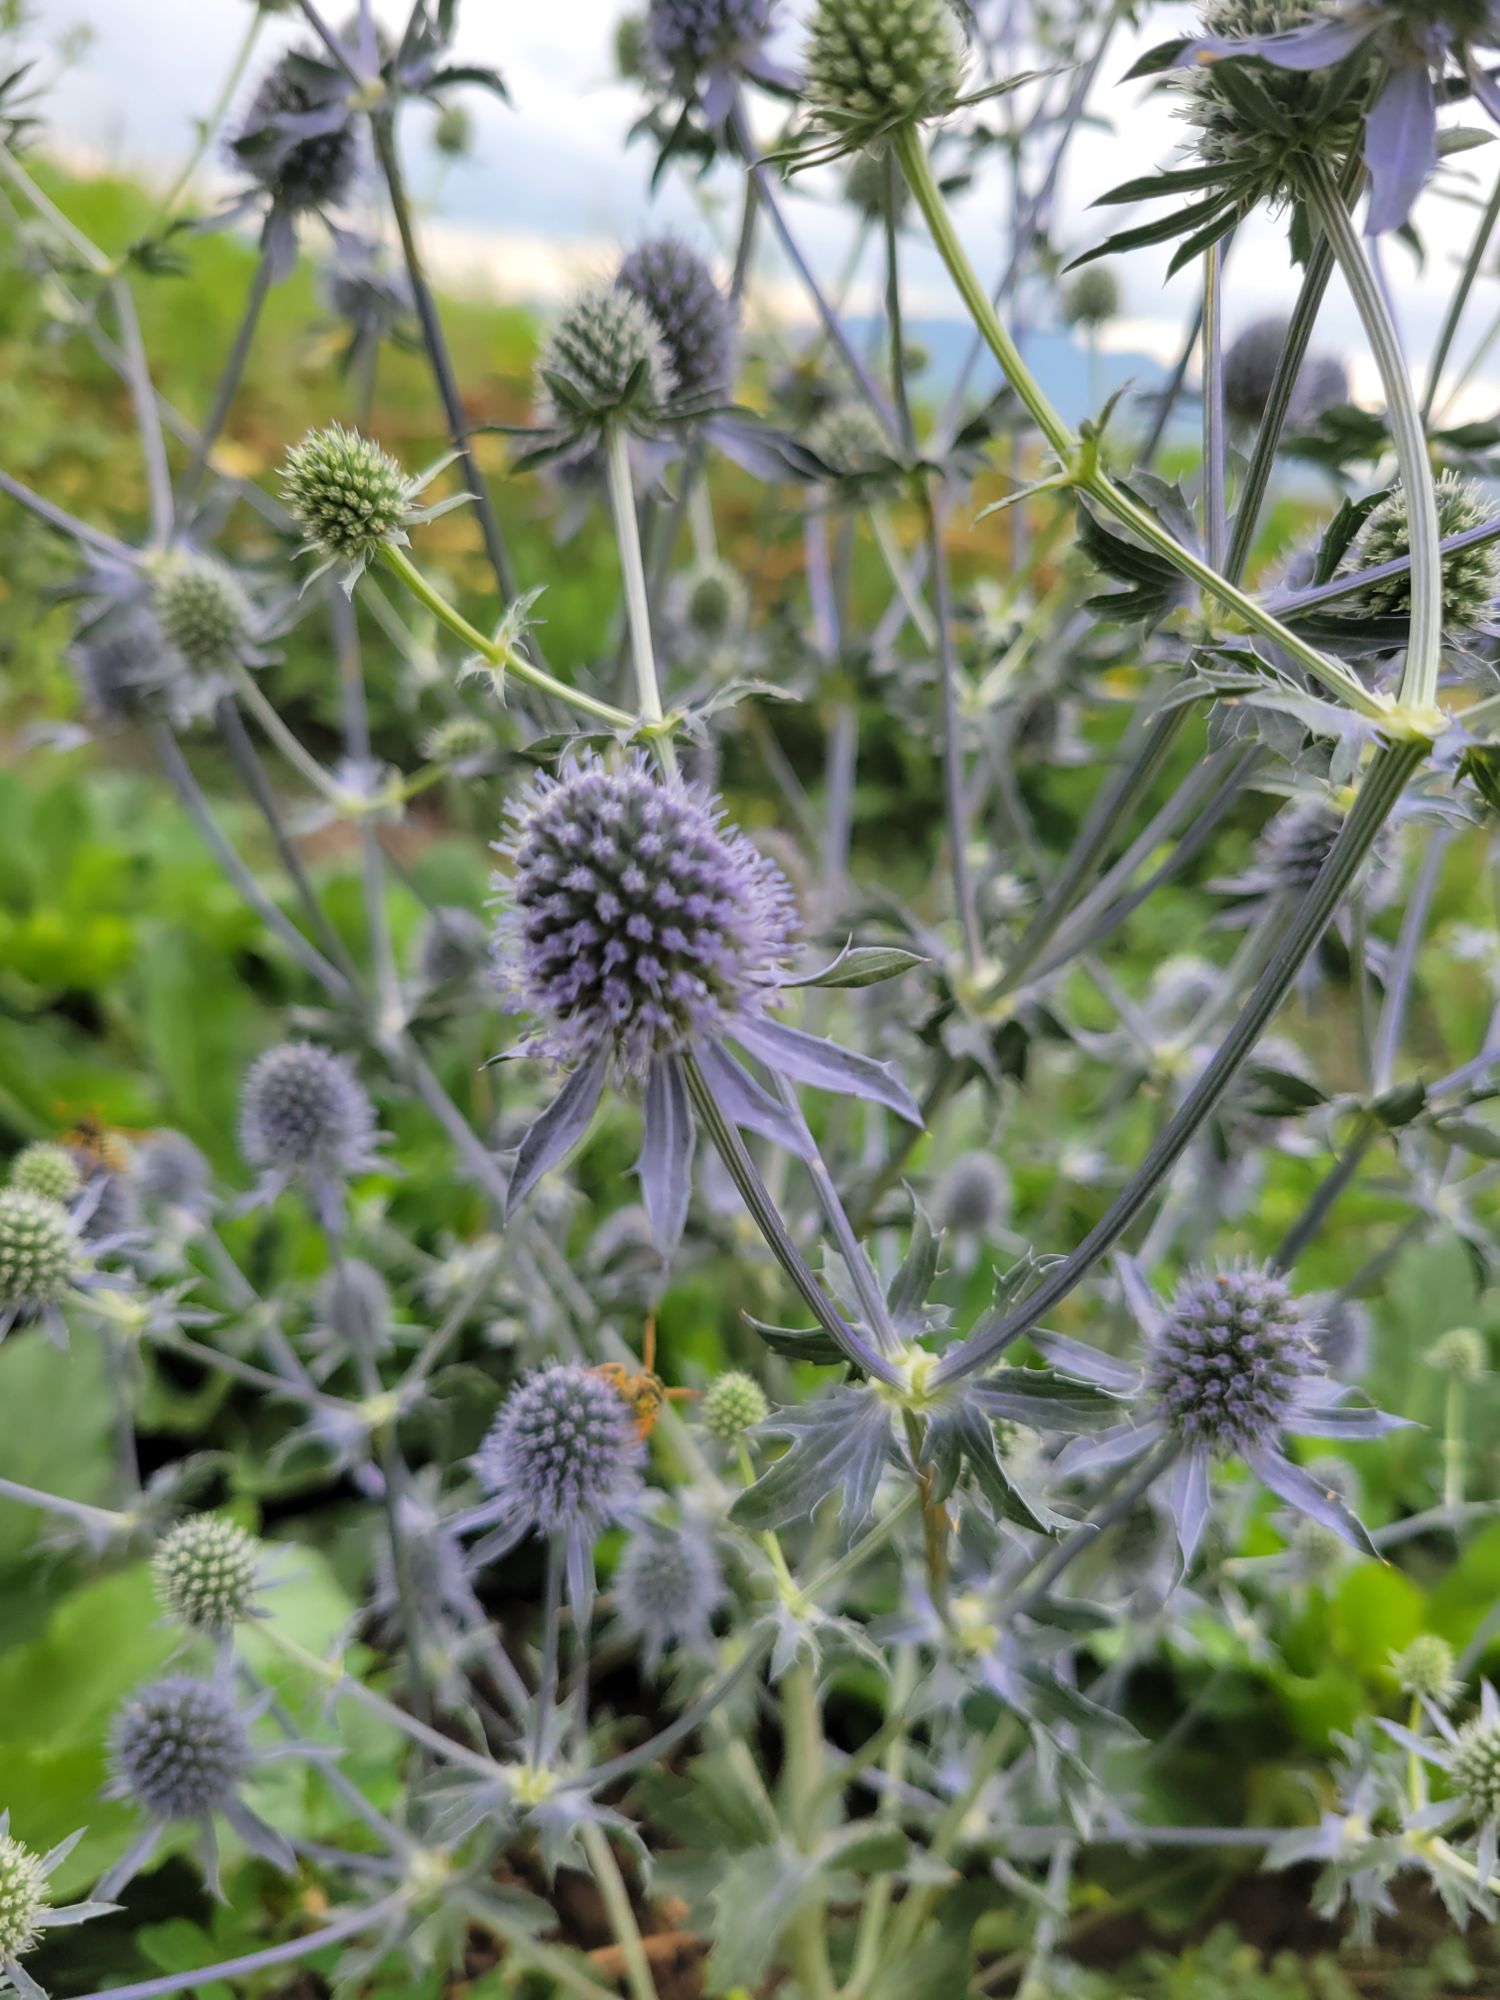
1092	298
692	315
23	1897
202	610
731	1404
563	1453
302	1109
1294	845
693	38
849	440
872	65
1428	1669
605	357
973	1194
1459	1354
207	1571
1250	364
460	740
1228	1359
715	603
39	1251
172	1172
179	1748
1476	1767
315	170
124	670
667	1588
46	1170
1471	577
348	495
454	944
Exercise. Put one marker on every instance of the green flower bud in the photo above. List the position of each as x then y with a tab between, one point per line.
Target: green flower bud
1476	1768
206	1571
849	440
1426	1667
604	357
1471	577
38	1250
1459	1353
451	133
716	603
731	1404
349	496
23	1897
456	741
46	1170
1092	298
872	65
202	610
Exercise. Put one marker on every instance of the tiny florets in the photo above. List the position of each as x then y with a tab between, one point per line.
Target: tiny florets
1459	1354
667	1588
563	1451
693	316
875	64
1476	1768
23	1897
206	1570
1092	298
46	1170
731	1404
1427	1668
1295	844
1250	364
849	440
179	1748
1342	1338
1471	577
635	915
607	357
460	740
692	38
303	1107
715	602
973	1194
1228	1359
202	610
348	495
316	171
39	1251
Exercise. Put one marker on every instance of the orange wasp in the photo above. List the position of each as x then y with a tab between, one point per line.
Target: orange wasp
106	1145
644	1389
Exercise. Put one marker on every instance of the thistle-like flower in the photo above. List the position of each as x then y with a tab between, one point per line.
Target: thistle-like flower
46	1170
1250	364
1093	298
690	312
202	610
605	360
304	1114
1459	1354
714	605
351	499
207	1571
1471	576
667	1588
874	65
973	1195
41	1259
850	442
1470	1755
1427	1669
702	46
464	745
298	143
126	672
1290	854
26	1908
180	1750
1230	1367
640	930
353	1315
732	1404
172	1175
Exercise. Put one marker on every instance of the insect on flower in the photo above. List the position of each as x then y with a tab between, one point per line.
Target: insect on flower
643	1389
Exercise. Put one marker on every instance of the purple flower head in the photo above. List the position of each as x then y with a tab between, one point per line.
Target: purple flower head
679	291
704	43
299	145
638	929
1231	1366
304	1113
563	1452
1250	364
667	1589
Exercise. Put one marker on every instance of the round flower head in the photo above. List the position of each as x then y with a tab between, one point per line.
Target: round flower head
693	38
1459	1354
1250	364
1228	1357
849	440
315	170
462	740
1264	152
605	357
207	1570
562	1455
1427	1668
110	1206
23	1897
1092	298
1295	844
732	1403
973	1194
875	64
348	496
667	1588
179	1748
354	1306
693	316
303	1111
39	1252
1471	577
46	1170
453	946
171	1173
1475	1767
124	670
638	917
715	603
452	134
202	610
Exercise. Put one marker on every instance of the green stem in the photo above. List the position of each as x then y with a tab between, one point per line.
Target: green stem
803	1739
1453	1444
633	569
1460	299
616	1898
1085	473
1419	679
495	651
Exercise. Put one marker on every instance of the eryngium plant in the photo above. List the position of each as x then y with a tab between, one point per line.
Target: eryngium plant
818	1341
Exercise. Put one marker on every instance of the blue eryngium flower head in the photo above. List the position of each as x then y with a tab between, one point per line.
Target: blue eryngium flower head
605	359
1250	364
1412	48
640	929
667	1589
304	1114
351	499
703	45
693	316
1231	1366
207	1572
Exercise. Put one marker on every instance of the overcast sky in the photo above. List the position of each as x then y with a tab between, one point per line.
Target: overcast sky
553	188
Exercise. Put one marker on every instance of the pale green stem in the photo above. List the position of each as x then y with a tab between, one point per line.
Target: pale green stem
301	759
633	569
1083	471
1419	679
494	651
880	1893
1453	1444
207	126
882	529
803	1737
616	1898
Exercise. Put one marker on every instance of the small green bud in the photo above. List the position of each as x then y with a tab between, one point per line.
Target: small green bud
1471	577
872	65
202	611
38	1249
1092	298
849	440
1476	1768
731	1404
206	1571
716	604
349	496
451	133
1426	1667
1459	1353
47	1170
605	356
23	1897
456	741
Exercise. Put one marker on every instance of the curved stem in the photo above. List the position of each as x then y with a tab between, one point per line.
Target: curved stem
249	1962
